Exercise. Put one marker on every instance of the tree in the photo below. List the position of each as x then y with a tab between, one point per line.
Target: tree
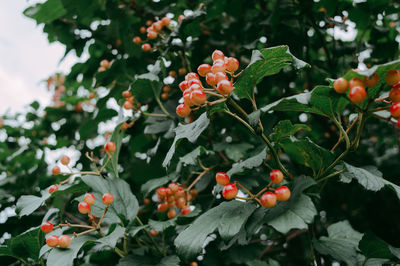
311	163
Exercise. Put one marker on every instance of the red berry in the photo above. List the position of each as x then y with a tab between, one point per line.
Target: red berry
282	193
142	30
204	69
89	198
195	82
65	160
128	105
210	79
218	68
340	85
56	170
225	87
185	210
53	188
171	213
105	63
151	35
46	227
232	64
161	193
357	94
153	232
222	178
398	123
217	54
158	25
64	241
83	207
268	200
107	198
149	22
276	176
191	75
137	39
162	207
229	191
184	85
395	110
194	192
198	97
126	94
371	81
180	193
186	97
110	147
392	77
52	241
394	94
180	202
146	47
173	187
220	76
166	21
356	82
183	110
180	18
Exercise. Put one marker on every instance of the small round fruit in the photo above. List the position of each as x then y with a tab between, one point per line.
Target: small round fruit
340	85
107	198
220	76
146	47
173	187
394	94
276	176
168	191
142	30
46	227
371	81
392	77
172	73
395	110
357	94
196	82
128	105
56	170
153	232
166	21
162	207
161	193
186	97
191	75
210	79
198	97
180	193
184	85
182	71
185	210
268	200
282	193
183	110
225	87
218	68
232	64
146	201
222	178
110	147
193	263
64	241
164	96
151	35
229	191
89	198
194	192
171	213
52	241
84	207
65	160
126	94
105	63
53	188
355	82
158	25
204	69
180	203
217	54
137	39
180	18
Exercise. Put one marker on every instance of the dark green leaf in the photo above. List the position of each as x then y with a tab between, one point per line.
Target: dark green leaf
285	129
249	163
112	239
117	137
46	12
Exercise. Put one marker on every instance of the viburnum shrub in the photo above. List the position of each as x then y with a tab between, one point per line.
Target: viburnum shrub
194	138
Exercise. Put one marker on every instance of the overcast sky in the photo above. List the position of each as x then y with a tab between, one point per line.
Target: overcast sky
26	58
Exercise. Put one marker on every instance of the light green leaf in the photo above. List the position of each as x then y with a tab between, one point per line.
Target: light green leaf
149	261
191	157
249	163
112	239
285	129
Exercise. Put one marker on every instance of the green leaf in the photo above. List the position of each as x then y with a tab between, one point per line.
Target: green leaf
341	243
89	128
149	261
66	256
144	87
228	217
112	239
156	125
157	182
369	177
191	157
46	12
160	226
125	203
327	100
373	247
269	262
249	163
285	129
306	152
190	131
265	62
117	137
235	152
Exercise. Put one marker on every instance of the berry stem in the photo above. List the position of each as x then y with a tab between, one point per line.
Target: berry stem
160	103
275	155
148	234
347	131
105	164
199	177
84	232
154	115
245	189
343	132
102	217
331	175
263	190
72	225
214	94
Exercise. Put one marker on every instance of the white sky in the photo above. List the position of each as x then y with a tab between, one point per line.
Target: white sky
26	58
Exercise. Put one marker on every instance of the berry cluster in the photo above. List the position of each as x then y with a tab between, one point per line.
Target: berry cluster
175	196
153	30
84	207
57	83
267	199
130	102
104	65
219	76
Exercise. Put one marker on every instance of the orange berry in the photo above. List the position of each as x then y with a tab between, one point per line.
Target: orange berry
340	85
56	170
110	146
65	160
282	193
392	77
107	198
268	200
276	176
204	69
151	35
222	178
357	94
229	191
183	110
89	198
395	110
356	82
53	188
394	94
224	87
171	213
64	241
232	64
185	210
137	39
146	47
371	81
52	241
217	54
